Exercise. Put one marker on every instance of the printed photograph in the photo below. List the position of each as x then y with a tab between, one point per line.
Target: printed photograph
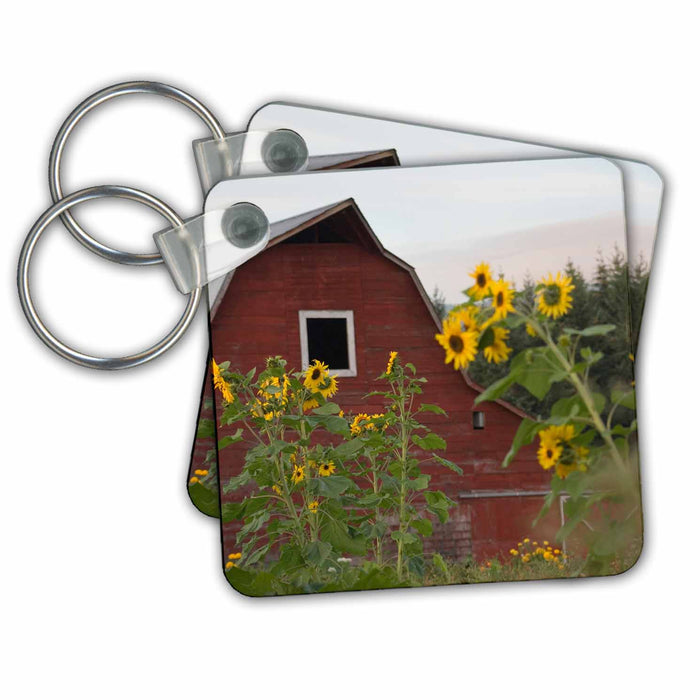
426	381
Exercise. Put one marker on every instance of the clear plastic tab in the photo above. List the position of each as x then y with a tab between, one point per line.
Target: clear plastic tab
278	152
249	154
209	246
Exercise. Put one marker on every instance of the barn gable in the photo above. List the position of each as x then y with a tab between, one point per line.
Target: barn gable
330	261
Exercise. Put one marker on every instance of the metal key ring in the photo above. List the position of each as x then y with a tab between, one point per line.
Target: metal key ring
100	97
28	305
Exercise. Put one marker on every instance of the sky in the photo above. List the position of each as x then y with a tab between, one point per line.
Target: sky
523	217
327	132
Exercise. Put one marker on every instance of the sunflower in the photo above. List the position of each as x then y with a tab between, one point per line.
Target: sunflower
283	383
557	451
319	381
482	280
313	506
554	297
467	317
363	422
271	404
297	470
496	350
460	346
502	299
549	452
316	376
331	387
220	383
530	329
390	365
326	468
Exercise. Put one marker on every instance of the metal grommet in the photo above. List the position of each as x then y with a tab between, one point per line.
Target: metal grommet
108	93
28	305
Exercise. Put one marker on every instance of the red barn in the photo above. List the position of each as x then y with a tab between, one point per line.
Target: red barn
326	273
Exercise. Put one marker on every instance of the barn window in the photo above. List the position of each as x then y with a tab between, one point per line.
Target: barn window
329	336
478	420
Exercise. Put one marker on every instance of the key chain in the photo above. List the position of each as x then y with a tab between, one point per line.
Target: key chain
220	157
268	211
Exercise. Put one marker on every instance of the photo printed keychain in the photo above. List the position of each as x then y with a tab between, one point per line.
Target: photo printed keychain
326	131
355	449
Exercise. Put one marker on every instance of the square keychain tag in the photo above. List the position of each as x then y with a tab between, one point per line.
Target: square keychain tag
326	132
364	441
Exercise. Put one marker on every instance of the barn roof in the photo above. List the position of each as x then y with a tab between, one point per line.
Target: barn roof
362	159
287	228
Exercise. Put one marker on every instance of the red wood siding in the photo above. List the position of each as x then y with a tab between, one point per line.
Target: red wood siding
258	317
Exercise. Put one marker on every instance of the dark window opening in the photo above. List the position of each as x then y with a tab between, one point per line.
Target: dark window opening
478	420
328	341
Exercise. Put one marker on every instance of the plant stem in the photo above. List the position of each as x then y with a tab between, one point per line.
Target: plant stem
584	393
402	495
377	515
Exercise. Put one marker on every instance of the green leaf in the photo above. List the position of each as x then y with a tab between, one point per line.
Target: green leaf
341	538
432	408
348	449
333	485
497	389
591	357
419	483
423	526
569	406
317	552
231	439
430	442
335	424
438	504
405	537
416	566
592	330
232	511
526	433
327	409
236	482
440	564
535	369
624	398
447	463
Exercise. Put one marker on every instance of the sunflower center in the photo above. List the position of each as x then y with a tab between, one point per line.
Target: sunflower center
551	295
550	453
499	299
481	280
456	344
316	374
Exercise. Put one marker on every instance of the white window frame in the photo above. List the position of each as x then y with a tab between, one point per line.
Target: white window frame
349	317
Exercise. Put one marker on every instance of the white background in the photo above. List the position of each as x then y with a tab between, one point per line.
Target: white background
111	583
